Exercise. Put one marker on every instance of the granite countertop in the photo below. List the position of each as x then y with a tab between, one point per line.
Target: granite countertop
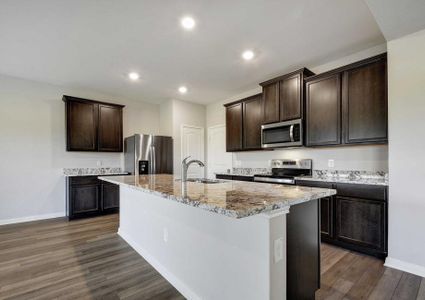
235	199
73	172
377	180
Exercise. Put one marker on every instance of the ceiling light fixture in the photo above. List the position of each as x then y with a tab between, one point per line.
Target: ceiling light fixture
133	76
248	55
188	23
183	90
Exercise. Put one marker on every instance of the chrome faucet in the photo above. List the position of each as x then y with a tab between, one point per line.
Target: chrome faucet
185	166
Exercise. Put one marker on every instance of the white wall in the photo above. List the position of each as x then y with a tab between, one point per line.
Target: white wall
406	88
174	114
32	145
367	158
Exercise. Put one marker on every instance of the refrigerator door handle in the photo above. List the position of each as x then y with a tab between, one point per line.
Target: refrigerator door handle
150	161
154	159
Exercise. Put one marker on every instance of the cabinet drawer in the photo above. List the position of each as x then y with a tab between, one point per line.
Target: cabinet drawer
83	180
372	192
319	184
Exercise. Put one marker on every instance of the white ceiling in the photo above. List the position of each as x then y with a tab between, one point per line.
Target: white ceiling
94	44
397	18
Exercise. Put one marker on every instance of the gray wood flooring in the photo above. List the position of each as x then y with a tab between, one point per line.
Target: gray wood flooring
86	259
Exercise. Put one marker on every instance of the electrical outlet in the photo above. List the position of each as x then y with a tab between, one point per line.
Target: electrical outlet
278	250
331	163
165	235
99	163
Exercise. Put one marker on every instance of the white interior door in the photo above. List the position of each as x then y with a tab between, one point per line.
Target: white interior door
193	146
218	159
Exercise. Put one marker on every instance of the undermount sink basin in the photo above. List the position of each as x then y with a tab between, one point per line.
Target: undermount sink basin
204	180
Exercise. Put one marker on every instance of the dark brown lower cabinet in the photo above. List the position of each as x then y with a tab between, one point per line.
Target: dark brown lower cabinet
110	196
234	177
88	196
361	223
326	213
356	218
85	199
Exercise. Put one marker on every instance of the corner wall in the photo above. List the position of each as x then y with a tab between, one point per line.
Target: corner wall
32	146
174	114
406	82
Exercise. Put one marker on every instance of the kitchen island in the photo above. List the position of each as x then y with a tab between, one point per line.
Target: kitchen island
224	240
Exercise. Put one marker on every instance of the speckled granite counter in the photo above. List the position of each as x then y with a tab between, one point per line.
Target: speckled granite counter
372	181
245	172
231	198
72	172
353	177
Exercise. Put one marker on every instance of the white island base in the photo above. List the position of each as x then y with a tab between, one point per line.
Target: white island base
206	255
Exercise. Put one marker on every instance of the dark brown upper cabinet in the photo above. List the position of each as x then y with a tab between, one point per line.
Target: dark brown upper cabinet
252	120
110	128
271	102
348	105
283	97
243	124
93	125
364	102
234	127
323	111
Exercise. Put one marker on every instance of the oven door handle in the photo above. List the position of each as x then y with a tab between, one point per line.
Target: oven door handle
291	133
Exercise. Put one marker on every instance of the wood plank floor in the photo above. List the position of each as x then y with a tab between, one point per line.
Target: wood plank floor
86	259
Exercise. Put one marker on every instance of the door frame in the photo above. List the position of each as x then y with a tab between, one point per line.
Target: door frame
208	143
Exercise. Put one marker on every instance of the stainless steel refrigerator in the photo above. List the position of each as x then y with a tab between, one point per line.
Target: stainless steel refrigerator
148	154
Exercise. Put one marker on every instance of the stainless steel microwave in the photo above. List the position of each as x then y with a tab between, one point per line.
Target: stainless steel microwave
283	134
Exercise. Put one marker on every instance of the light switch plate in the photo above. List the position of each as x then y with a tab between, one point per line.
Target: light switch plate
278	250
331	163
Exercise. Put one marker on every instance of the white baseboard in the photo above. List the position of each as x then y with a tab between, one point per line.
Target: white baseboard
32	218
405	266
170	277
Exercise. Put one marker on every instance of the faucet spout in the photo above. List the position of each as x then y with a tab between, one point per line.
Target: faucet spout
186	164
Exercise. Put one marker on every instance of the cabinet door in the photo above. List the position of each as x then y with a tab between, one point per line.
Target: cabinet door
110	196
234	127
326	208
110	128
326	217
323	99
252	120
84	199
290	98
365	103
271	103
81	121
361	222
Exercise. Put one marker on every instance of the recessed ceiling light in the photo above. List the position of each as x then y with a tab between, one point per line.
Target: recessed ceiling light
133	76
183	90
248	55
188	23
